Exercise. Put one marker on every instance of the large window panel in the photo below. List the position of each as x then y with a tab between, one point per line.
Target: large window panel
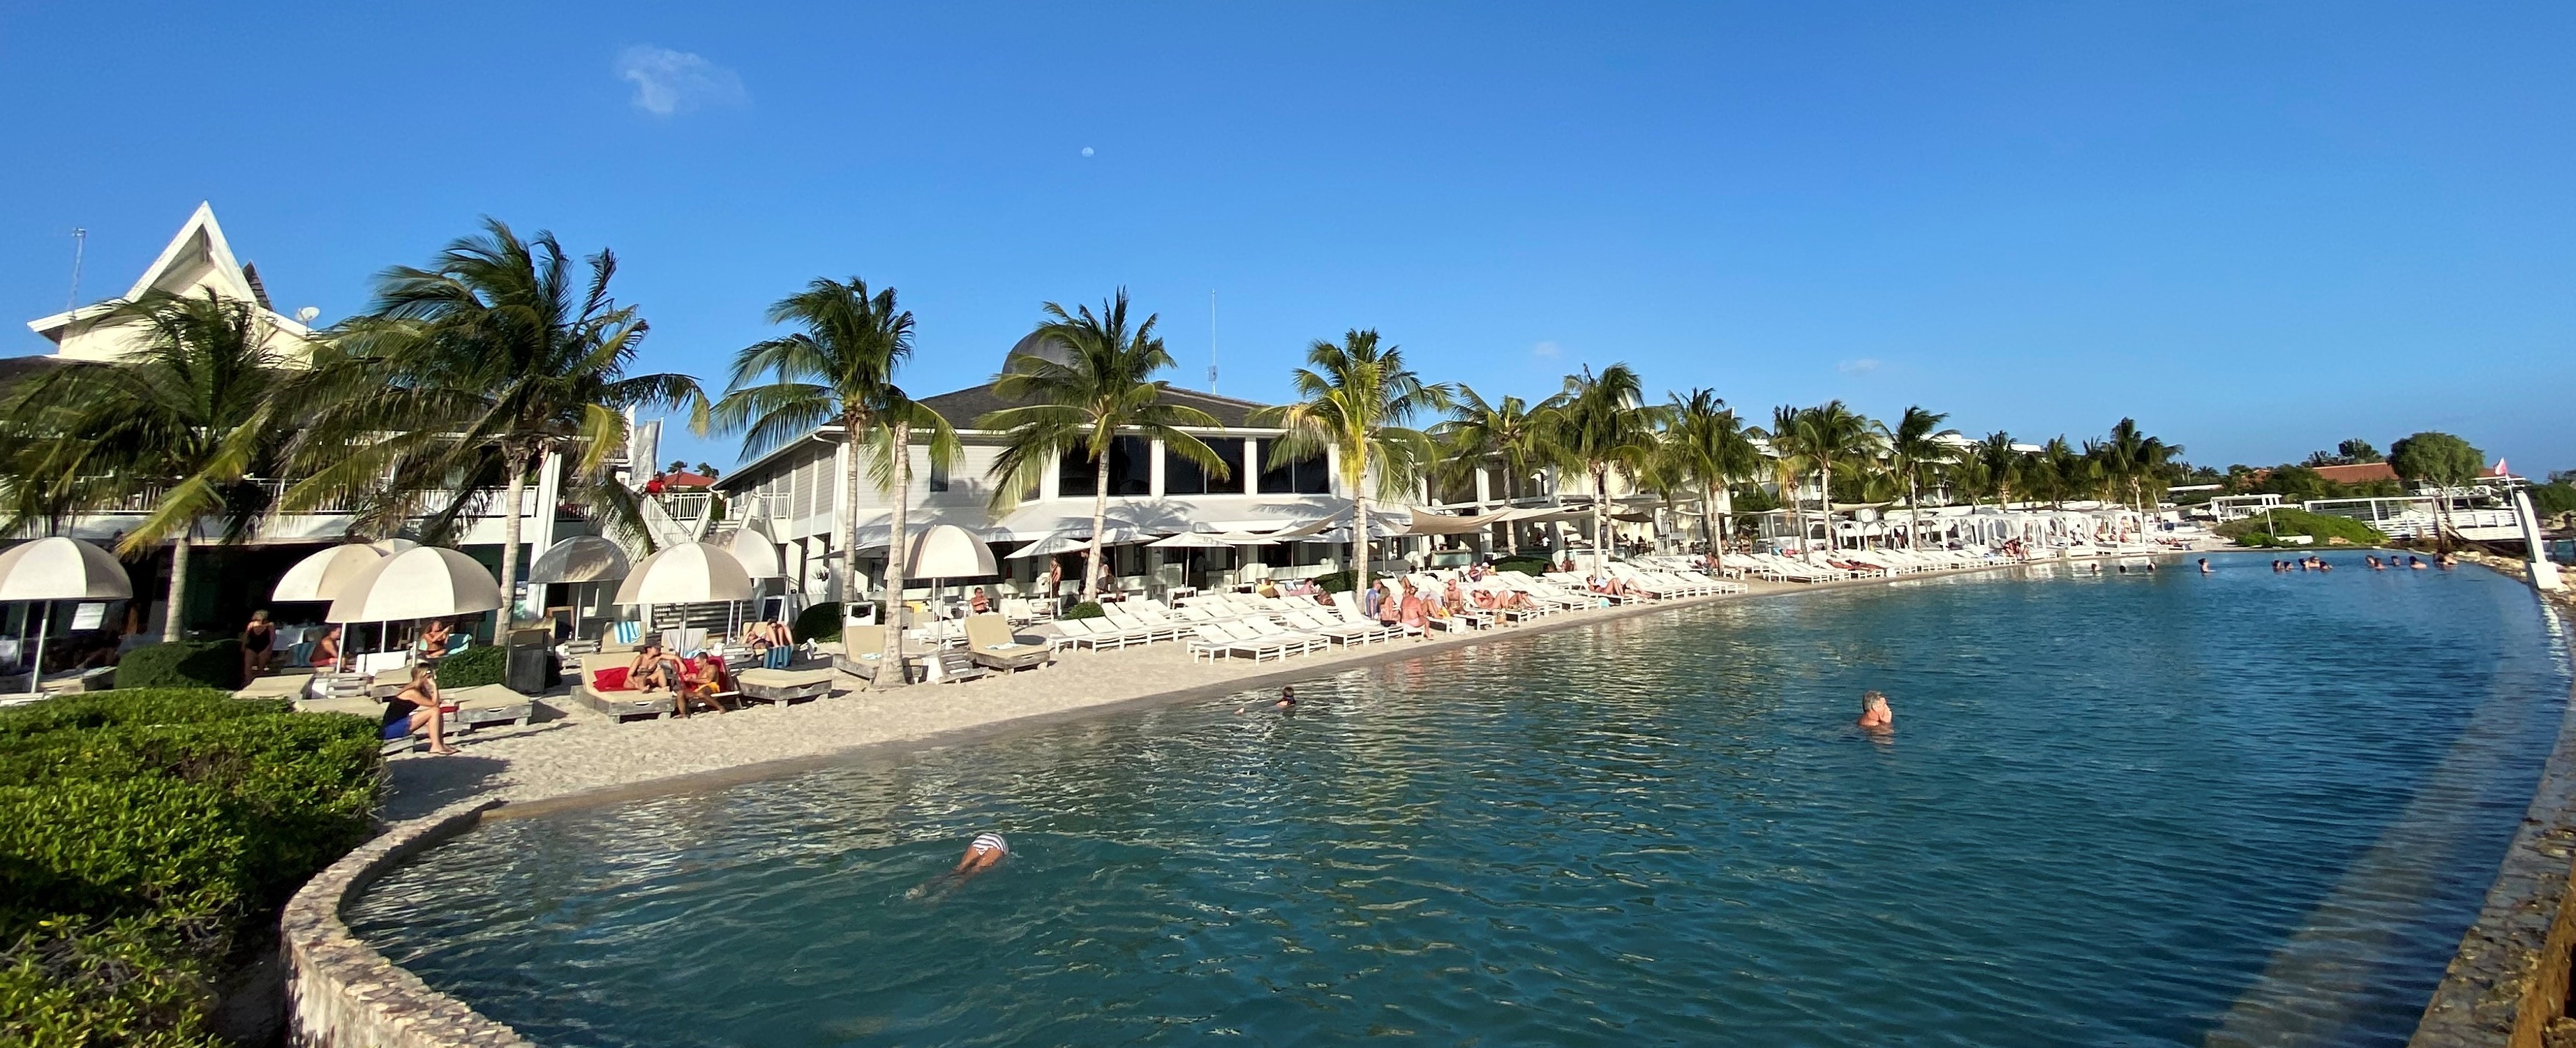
1131	466
1076	476
1305	476
1184	477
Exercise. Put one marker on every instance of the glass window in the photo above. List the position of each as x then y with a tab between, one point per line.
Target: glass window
1184	477
1076	475
1131	466
1305	476
938	476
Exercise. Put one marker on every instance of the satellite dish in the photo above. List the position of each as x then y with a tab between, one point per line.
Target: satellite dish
306	315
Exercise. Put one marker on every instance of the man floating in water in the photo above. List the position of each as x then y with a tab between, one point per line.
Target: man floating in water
1287	702
1874	713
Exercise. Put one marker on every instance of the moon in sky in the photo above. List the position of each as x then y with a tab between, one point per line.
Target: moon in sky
1086	150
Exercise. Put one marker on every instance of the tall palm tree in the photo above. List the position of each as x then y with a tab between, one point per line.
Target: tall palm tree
485	362
840	370
1355	397
1789	464
1914	446
200	409
1605	425
2062	471
1831	435
1707	441
1999	465
1521	436
2137	461
1105	388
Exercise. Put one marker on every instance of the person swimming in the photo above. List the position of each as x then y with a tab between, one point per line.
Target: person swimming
1874	713
986	851
2204	565
1287	702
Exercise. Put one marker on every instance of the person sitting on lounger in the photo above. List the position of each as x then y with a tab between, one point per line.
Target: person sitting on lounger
702	680
326	651
653	668
434	639
1411	611
979	603
416	708
1874	714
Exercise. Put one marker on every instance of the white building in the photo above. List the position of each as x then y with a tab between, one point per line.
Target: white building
198	261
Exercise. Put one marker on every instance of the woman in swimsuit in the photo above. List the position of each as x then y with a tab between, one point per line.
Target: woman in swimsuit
256	640
418	706
985	852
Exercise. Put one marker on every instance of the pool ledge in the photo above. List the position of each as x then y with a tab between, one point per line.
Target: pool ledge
2508	984
340	992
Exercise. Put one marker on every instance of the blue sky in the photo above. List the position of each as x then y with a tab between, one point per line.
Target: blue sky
2256	228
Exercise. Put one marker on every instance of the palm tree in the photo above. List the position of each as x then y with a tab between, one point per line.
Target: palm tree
1832	435
1104	389
1523	437
2063	471
1913	446
2000	465
1707	441
1789	463
2138	461
840	370
484	363
1604	424
184	424
1355	397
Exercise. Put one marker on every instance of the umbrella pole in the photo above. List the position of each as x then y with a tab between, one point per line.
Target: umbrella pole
36	680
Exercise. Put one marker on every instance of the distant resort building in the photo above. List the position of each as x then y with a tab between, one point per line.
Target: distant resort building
198	261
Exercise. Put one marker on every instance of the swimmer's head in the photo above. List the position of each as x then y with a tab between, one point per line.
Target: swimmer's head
1288	695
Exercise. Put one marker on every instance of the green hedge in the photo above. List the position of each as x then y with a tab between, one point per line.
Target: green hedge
1337	582
819	623
182	664
474	667
140	833
1532	566
1083	610
2253	531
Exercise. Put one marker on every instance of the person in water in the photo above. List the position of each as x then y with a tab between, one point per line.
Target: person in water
985	852
2204	565
1287	701
1874	713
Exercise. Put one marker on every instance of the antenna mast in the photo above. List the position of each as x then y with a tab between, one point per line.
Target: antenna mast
1211	340
80	239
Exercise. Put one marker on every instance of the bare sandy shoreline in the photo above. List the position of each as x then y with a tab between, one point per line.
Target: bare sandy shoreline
582	758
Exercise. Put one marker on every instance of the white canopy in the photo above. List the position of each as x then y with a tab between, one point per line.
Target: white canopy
581	558
758	555
61	568
1051	545
1193	540
423	582
695	573
946	551
320	576
389	547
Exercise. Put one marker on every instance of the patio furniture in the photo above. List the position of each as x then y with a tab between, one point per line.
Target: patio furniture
989	643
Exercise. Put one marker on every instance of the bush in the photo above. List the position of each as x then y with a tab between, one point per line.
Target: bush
474	667
1525	565
1337	582
2253	531
1084	610
182	664
820	622
140	832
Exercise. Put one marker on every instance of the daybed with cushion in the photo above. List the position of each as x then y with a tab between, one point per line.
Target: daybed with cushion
784	686
990	642
603	687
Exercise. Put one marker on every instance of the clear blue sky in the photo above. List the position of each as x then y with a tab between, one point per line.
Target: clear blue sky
2256	228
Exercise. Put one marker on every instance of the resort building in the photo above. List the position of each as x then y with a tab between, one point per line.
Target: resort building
198	261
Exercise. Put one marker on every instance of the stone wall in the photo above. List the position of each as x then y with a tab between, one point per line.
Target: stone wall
2507	987
341	993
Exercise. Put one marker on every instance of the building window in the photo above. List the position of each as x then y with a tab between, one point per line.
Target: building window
1184	477
1076	476
1131	470
938	475
1305	476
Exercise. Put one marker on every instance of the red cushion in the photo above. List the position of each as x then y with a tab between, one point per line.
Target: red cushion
611	679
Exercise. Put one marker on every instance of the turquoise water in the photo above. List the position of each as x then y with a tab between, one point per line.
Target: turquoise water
2136	810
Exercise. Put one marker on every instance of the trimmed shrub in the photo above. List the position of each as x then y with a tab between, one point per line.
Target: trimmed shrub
183	664
1525	565
474	667
2253	531
140	832
1084	610
820	622
1337	582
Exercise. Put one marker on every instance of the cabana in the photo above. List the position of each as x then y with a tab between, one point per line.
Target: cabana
58	568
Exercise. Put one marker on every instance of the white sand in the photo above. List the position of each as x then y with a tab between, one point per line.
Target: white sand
579	751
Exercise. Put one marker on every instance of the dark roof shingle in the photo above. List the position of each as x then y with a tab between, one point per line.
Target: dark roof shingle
962	407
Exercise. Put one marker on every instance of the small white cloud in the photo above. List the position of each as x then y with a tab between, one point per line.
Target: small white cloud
668	82
1086	150
1547	350
1863	366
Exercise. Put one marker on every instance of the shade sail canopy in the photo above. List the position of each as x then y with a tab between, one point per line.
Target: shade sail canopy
1192	540
759	556
1242	538
61	568
695	573
581	558
425	582
1434	524
1050	546
321	576
946	551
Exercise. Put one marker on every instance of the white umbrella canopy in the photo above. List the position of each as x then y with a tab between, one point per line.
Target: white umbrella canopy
1051	545
321	576
758	556
946	551
581	558
389	547
694	573
61	568
1193	540
424	582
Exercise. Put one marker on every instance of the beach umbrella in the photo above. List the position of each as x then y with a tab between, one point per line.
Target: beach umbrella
423	582
946	551
1050	546
59	568
319	577
578	560
758	555
389	547
692	573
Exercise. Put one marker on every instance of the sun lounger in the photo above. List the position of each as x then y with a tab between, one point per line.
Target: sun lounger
1228	640
782	687
862	652
1267	630
618	703
990	643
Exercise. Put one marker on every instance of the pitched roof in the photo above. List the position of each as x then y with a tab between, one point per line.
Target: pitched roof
198	256
2358	473
962	407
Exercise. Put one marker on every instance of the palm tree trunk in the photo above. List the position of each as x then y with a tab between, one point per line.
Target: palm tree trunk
851	593
1913	511
1099	523
1362	565
513	492
1825	503
896	548
170	631
1601	521
1511	531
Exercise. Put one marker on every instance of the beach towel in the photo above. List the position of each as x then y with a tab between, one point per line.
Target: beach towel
611	679
630	632
778	657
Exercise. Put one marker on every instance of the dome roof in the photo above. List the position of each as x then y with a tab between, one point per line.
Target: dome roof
1038	345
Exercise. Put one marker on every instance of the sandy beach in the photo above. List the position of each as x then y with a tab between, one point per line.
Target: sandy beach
580	757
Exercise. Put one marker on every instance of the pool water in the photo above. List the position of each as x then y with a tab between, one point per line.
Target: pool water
2244	808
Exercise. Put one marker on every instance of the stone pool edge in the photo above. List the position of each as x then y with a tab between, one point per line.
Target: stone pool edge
340	992
2508	983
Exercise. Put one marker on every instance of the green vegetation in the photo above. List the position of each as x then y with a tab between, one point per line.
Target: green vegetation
1084	610
1524	565
474	667
182	664
820	622
1337	582
145	837
2323	528
2553	498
